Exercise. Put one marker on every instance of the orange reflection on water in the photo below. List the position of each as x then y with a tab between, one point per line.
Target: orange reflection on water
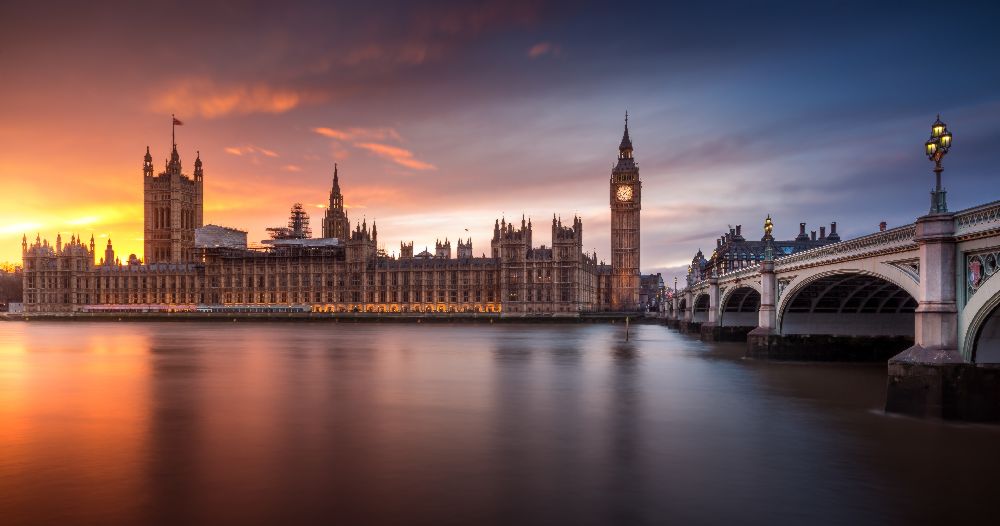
70	402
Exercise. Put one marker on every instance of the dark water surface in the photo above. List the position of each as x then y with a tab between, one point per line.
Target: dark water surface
288	423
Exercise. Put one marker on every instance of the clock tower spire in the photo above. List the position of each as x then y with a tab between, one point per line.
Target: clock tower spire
626	200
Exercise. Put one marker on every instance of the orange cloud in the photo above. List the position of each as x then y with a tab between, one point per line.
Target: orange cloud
351	134
397	155
205	98
543	48
291	168
249	149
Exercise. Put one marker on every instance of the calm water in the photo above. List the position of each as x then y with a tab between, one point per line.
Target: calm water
284	423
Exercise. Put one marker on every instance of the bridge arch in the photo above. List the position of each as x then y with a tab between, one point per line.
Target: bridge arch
702	303
980	324
739	306
847	302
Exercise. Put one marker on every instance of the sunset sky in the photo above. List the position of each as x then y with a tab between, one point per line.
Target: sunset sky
444	116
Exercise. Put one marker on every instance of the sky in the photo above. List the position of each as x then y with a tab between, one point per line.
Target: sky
445	116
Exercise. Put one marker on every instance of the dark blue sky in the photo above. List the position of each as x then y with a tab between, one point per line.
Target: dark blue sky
445	115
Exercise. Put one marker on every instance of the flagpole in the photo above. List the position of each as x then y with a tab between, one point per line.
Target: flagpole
173	137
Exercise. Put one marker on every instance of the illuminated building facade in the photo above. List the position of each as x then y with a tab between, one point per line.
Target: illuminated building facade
345	271
626	202
173	205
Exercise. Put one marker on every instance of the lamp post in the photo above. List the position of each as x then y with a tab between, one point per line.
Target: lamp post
936	148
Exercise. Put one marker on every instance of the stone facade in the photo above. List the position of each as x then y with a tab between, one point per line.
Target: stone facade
343	272
173	208
626	202
734	252
335	221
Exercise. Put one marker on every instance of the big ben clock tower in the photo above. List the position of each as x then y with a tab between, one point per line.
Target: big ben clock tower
626	200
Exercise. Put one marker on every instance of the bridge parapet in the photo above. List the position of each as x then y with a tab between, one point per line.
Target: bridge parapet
899	239
978	221
738	274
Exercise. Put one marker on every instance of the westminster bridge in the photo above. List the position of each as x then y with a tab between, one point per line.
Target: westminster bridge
923	296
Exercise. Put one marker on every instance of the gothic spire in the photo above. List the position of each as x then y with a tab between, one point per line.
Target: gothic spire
626	144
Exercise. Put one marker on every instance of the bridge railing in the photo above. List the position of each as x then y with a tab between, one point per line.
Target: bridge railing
977	219
896	239
970	221
744	272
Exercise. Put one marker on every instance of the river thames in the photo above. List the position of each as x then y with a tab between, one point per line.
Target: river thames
282	423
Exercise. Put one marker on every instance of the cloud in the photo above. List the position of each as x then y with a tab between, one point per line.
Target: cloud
351	134
364	138
292	168
248	150
543	48
397	155
205	98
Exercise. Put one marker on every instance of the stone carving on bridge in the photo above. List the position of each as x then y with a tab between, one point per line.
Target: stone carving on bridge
979	268
910	267
782	283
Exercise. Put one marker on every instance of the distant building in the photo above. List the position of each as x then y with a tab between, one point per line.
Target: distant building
652	291
733	251
193	267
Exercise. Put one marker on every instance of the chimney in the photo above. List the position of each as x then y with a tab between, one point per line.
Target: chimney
822	232
812	235
833	228
738	229
802	233
881	226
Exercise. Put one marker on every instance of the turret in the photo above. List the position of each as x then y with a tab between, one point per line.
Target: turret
442	250
198	173
465	249
174	163
109	253
24	244
147	164
336	198
92	246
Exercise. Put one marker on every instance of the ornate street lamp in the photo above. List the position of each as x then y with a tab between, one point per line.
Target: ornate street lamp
936	148
768	239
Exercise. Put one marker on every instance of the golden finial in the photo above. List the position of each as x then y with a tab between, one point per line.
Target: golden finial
768	226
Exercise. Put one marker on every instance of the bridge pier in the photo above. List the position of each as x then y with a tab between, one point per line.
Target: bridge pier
827	348
690	327
722	333
764	337
931	378
709	329
673	315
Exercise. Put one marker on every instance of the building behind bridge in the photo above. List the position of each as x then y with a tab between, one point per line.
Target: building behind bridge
733	251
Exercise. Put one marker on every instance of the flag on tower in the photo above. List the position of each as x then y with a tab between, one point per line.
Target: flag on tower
177	122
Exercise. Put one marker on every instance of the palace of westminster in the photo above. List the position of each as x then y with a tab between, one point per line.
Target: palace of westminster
189	266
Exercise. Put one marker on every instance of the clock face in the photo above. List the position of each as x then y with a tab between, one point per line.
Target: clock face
624	193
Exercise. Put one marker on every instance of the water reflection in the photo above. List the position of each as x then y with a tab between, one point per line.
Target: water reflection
214	423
